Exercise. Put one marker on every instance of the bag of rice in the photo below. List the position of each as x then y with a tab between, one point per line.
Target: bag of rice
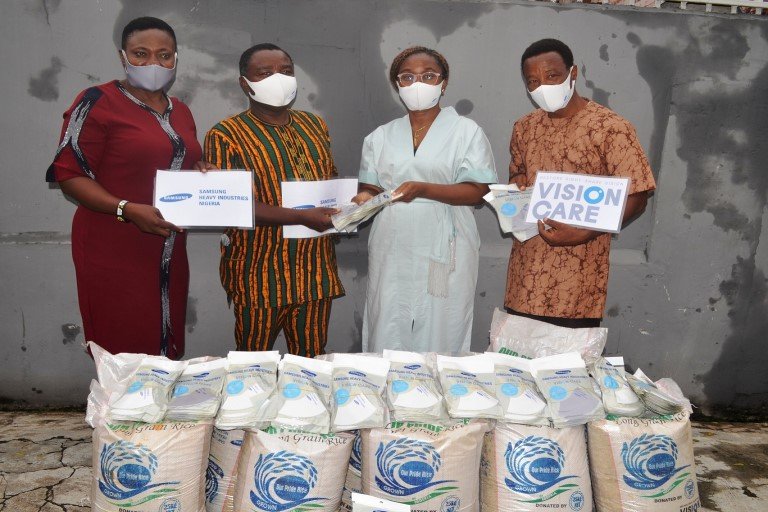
358	388
640	464
469	386
413	393
289	470
530	467
150	467
221	476
433	468
517	392
353	483
303	394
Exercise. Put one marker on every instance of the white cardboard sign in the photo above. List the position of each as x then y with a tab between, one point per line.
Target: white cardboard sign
210	199
583	200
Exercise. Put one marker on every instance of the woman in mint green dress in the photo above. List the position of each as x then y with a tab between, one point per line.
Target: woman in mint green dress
423	250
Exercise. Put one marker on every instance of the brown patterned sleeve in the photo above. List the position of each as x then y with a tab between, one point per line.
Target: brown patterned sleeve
516	164
624	157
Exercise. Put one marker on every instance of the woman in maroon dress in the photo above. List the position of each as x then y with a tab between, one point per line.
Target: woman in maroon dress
131	264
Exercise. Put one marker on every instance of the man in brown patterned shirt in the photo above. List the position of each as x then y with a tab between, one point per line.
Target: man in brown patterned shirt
561	276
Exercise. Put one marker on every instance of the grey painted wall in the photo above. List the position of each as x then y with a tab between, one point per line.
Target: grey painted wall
688	286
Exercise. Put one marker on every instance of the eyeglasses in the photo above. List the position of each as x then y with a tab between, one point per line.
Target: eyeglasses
430	78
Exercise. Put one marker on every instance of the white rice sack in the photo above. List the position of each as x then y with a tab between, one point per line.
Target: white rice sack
365	503
146	398
303	394
517	392
618	397
197	393
142	467
353	483
469	386
524	337
287	471
639	465
249	392
433	468
358	388
534	467
221	476
413	393
568	389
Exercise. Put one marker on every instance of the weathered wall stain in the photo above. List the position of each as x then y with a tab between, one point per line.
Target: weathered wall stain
45	86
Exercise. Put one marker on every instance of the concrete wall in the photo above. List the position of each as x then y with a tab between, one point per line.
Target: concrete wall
688	283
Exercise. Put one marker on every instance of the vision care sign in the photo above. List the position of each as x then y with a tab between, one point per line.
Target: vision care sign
211	199
583	200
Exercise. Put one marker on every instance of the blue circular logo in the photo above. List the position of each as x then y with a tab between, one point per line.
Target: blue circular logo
509	389
170	505
576	501
135	386
508	209
459	390
557	393
398	386
690	488
235	387
291	390
610	382
594	195
342	395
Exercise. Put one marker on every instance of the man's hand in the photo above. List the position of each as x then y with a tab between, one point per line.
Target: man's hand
318	219
564	235
409	191
518	179
203	166
149	219
362	197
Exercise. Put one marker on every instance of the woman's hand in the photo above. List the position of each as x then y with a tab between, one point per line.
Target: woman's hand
149	219
362	197
204	166
409	191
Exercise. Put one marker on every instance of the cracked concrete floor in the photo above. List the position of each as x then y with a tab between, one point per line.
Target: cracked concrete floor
45	463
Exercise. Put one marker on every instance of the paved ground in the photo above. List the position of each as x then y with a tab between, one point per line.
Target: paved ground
45	464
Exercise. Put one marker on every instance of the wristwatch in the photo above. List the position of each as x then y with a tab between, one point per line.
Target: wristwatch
120	207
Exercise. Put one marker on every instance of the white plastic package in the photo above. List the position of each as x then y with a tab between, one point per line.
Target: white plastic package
197	393
618	397
568	389
358	388
658	401
469	386
365	503
511	207
412	391
641	464
525	337
303	394
146	398
352	215
528	468
434	468
150	467
517	392
221	475
292	471
249	393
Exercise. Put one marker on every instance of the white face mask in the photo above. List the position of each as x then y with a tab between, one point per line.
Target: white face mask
552	98
151	77
420	96
277	90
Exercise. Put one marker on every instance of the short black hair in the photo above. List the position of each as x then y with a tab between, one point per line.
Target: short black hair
394	68
546	46
245	58
146	23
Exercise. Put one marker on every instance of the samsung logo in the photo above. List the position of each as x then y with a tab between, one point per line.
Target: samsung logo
307	372
174	198
162	372
467	374
304	207
413	367
515	370
358	374
201	375
562	372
